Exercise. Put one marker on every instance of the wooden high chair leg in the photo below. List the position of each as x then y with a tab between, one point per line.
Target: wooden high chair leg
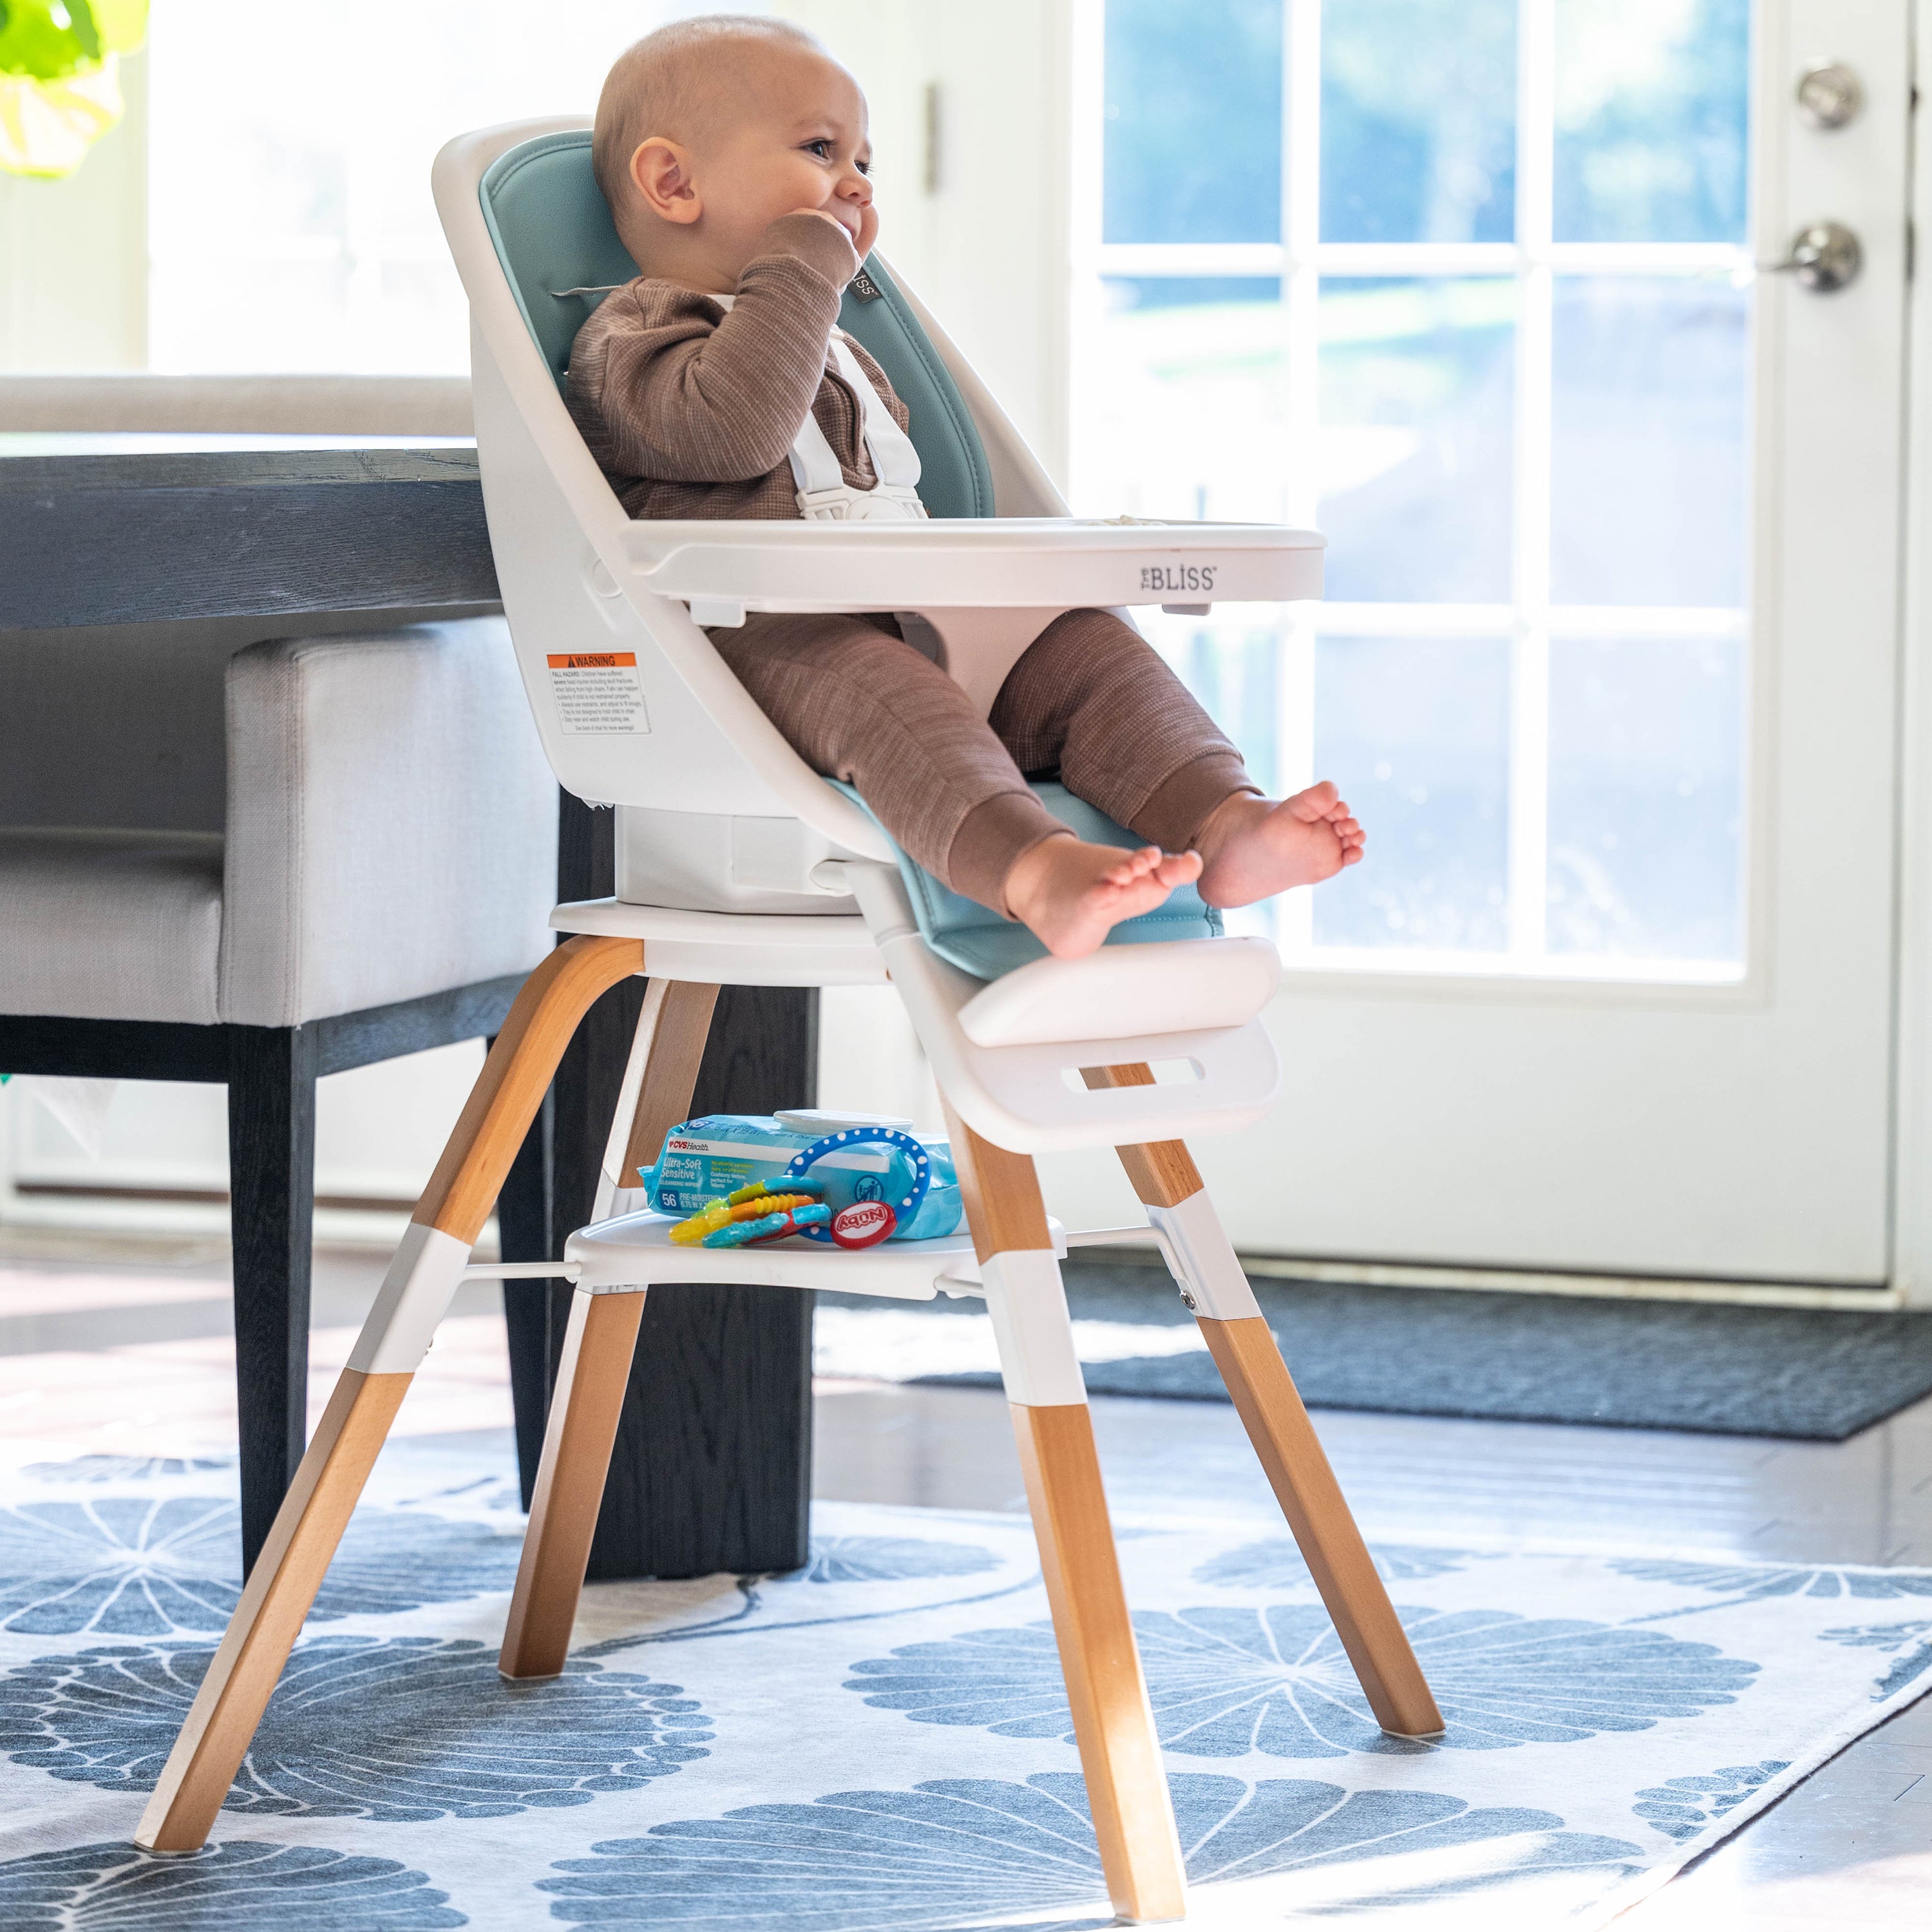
1165	1177
1113	1722
415	1294
588	1396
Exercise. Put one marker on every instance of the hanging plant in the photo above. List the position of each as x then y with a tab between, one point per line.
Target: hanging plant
60	86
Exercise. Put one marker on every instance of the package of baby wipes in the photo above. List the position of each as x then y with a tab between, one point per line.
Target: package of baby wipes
861	1157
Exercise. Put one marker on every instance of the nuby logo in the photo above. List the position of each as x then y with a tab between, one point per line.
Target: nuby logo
863	1225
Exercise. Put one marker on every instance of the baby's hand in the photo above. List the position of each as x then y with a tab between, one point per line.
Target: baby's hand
868	227
825	214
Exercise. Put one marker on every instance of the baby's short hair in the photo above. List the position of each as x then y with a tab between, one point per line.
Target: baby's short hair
660	84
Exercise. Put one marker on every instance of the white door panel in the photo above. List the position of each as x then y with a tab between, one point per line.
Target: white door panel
1535	1135
1491	1099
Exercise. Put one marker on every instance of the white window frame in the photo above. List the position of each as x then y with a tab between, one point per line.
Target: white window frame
1530	621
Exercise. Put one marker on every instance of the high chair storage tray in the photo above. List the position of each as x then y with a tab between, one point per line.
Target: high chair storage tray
979	563
634	1251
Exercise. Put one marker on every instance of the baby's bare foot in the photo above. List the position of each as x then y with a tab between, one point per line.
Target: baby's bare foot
1069	895
1252	847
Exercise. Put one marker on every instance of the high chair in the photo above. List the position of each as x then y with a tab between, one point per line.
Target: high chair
738	865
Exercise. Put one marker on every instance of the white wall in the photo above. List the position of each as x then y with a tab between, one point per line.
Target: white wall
985	244
74	253
379	1130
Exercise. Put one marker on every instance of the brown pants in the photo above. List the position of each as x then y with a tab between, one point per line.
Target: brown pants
1091	697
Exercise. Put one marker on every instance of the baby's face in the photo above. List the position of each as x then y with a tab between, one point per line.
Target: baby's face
797	142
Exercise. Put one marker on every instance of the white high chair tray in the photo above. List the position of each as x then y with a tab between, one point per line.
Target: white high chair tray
963	562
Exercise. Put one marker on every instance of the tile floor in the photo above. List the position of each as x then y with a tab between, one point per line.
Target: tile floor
116	1347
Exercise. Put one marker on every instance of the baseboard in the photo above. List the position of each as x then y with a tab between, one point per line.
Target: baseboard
1524	1281
193	1214
200	1197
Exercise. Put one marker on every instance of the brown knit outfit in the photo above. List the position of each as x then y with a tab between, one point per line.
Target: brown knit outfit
690	409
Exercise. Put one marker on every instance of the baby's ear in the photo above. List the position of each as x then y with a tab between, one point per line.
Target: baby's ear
660	172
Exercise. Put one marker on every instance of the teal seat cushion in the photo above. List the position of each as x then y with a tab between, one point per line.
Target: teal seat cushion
978	941
560	252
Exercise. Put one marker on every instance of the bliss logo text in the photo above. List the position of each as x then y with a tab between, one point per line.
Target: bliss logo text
1171	577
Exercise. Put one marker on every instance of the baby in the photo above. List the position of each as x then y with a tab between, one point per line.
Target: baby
732	151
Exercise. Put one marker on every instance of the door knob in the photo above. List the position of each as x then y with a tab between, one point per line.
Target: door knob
1825	257
1829	95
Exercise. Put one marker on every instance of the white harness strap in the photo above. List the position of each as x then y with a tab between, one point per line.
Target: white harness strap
823	494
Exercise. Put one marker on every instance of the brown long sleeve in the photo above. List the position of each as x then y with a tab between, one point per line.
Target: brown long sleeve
691	408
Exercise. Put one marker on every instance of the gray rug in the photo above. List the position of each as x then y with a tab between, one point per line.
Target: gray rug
1817	1375
880	1740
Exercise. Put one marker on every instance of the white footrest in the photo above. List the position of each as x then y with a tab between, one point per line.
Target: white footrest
1126	992
635	1251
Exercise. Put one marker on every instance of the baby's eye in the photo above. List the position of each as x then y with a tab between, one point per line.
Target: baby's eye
821	147
864	167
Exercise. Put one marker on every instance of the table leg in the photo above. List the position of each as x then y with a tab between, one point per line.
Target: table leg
272	1187
712	1468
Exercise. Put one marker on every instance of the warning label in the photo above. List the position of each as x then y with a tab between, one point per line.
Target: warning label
598	693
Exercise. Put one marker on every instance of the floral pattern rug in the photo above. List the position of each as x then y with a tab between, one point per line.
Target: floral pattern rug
879	1742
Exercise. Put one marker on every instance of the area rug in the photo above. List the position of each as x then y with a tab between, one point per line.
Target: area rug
1819	1374
879	1742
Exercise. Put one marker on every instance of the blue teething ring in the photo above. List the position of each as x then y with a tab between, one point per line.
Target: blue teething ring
807	1158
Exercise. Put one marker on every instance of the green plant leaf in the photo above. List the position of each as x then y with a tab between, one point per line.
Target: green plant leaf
48	40
122	25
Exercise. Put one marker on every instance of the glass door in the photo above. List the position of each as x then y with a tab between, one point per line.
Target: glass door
1469	290
1469	286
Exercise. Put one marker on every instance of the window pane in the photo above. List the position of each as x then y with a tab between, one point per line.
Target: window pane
1417	401
309	300
1646	800
1648	482
292	226
1193	121
1418	121
1234	667
1652	98
1190	404
1416	733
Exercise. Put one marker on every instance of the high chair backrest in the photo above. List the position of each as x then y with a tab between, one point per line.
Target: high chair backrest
525	222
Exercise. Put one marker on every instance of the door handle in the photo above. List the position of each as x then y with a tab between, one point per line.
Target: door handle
1825	257
1830	95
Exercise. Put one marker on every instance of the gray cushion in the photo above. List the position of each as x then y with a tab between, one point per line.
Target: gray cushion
99	925
391	821
391	833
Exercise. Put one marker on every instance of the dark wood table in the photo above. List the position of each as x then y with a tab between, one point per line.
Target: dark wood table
712	1467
